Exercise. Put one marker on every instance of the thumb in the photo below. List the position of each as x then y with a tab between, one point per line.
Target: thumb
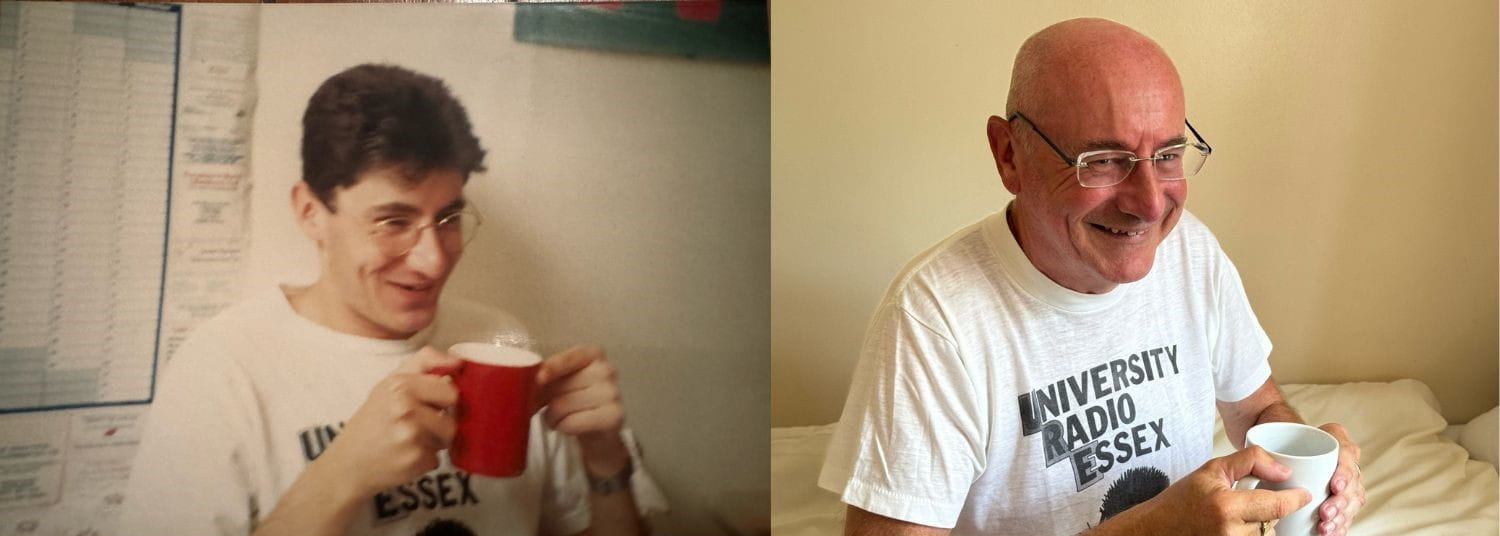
1255	461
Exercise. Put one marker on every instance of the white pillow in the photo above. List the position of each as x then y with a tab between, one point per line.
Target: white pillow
1481	435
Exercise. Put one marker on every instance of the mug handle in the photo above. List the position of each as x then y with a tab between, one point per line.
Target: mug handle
1249	482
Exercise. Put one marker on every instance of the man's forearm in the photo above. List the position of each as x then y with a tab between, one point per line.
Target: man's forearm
1137	519
858	522
1278	412
315	505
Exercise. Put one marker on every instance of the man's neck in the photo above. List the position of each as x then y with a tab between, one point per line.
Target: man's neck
1056	274
318	304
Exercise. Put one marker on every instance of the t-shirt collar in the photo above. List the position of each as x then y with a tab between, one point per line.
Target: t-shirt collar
319	335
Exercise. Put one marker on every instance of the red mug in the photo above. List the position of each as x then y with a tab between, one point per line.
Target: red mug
493	412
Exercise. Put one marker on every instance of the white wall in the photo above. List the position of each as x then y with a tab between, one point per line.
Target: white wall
1353	179
627	204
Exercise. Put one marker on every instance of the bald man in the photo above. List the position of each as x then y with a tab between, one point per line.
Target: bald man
1055	367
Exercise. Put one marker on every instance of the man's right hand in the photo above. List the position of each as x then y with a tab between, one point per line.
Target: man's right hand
396	434
392	438
1204	501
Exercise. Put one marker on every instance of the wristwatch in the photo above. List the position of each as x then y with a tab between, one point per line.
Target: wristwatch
616	482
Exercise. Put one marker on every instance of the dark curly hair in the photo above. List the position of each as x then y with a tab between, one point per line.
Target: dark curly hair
374	116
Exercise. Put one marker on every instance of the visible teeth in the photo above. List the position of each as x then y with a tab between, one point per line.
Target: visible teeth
1126	233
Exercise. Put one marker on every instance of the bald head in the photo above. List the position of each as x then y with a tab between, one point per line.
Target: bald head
1085	60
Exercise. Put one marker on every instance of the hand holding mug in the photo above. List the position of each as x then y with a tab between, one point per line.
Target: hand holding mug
578	387
396	433
500	388
1203	502
1346	490
1313	455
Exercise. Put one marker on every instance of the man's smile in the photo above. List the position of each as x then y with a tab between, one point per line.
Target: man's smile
1120	232
414	291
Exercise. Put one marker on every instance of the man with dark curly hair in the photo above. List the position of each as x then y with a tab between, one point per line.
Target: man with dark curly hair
241	437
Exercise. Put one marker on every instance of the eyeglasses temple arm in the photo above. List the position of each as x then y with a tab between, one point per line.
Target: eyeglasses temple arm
1199	136
1067	159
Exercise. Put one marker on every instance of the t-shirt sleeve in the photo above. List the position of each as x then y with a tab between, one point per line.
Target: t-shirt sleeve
911	441
190	474
1240	348
565	498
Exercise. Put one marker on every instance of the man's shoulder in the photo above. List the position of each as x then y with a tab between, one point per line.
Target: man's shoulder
252	312
232	327
960	255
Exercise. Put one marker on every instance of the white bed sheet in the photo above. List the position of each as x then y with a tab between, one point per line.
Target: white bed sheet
1417	483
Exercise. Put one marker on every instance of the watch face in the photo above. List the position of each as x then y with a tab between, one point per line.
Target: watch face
613	483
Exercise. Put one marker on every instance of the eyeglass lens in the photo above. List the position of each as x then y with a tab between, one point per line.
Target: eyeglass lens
1111	167
397	237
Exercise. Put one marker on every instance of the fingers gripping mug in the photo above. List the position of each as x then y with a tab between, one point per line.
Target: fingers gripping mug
493	413
1311	453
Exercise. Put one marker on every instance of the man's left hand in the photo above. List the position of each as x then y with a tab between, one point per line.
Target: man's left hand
1346	492
578	388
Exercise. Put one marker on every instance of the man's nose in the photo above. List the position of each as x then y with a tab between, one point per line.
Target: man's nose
427	256
1141	193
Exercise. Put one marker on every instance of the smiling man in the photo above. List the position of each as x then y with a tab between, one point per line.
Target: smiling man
1056	367
321	410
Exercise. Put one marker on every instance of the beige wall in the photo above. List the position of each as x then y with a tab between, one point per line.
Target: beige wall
626	203
1353	180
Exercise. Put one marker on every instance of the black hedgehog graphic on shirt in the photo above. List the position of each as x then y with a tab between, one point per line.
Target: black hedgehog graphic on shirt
445	527
1134	486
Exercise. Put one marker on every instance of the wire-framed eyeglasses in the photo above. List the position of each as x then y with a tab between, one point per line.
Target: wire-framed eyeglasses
398	235
1105	168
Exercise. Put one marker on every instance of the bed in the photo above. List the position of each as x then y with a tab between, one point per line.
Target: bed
1422	476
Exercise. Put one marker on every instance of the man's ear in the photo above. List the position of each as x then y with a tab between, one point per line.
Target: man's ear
1003	148
309	211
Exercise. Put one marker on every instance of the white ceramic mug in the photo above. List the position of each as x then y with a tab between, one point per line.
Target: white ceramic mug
1311	453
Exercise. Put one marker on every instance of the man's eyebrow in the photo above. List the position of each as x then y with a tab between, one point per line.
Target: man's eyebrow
455	206
398	207
393	207
1104	145
1176	140
1117	145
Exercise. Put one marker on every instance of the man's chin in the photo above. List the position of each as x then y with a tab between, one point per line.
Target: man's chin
1129	273
408	322
1133	267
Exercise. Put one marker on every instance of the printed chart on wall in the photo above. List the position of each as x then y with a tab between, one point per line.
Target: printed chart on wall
124	187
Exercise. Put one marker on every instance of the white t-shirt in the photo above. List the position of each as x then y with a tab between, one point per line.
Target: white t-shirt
994	401
259	391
